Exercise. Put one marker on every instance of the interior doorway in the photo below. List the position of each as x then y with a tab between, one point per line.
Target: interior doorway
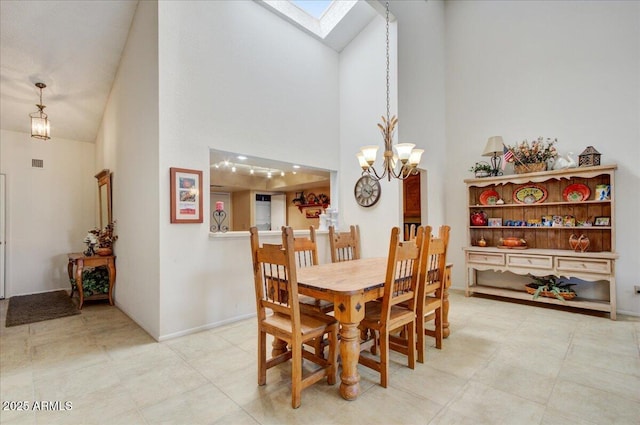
412	203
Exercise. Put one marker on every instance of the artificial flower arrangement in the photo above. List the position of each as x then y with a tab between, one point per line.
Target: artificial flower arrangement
100	238
538	151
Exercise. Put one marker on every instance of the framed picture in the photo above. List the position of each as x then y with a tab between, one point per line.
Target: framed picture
495	222
602	221
186	195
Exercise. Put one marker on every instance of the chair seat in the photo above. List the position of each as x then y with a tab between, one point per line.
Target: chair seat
373	310
309	325
310	304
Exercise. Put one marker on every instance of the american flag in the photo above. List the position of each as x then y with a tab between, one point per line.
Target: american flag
507	156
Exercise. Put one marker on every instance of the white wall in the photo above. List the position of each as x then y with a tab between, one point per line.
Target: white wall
569	70
235	77
127	144
421	96
362	103
49	210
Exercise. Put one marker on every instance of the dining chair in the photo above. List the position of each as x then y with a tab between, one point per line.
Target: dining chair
410	231
396	310
431	291
306	253
345	246
278	313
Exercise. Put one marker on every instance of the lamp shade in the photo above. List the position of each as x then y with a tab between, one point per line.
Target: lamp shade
495	144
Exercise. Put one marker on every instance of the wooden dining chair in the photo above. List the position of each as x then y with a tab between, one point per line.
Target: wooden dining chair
306	253
278	313
396	310
345	246
410	231
431	291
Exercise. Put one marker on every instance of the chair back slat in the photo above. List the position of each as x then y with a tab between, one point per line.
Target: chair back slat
345	246
275	278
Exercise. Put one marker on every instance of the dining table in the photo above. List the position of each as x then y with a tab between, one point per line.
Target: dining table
349	285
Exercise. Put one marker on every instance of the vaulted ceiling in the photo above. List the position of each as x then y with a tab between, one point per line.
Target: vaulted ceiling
74	47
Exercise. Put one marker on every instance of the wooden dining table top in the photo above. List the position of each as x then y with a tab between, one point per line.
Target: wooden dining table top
347	277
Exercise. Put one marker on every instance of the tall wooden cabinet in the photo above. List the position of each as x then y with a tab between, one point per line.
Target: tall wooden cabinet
545	209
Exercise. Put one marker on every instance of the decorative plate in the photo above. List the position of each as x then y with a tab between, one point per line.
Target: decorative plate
489	197
530	194
576	193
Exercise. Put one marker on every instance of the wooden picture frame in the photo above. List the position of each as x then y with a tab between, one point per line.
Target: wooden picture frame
495	222
186	195
602	221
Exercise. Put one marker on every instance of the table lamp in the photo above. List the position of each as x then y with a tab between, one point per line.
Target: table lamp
494	149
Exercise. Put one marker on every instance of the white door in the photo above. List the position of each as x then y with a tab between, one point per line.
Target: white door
3	239
263	212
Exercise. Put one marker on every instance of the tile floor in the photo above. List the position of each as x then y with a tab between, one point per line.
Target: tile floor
504	363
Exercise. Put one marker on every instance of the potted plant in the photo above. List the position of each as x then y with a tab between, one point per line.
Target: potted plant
551	287
481	169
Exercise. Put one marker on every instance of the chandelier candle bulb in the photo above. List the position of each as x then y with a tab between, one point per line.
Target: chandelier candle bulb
414	158
219	206
404	151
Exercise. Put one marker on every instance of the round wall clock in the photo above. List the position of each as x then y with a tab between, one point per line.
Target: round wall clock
367	191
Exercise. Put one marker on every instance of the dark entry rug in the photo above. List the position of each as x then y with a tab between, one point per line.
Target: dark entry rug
38	307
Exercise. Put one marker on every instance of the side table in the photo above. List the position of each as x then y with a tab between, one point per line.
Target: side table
80	261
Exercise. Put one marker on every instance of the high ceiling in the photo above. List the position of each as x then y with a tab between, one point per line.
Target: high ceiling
74	47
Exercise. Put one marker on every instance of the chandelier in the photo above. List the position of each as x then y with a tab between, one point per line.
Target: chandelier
405	154
40	124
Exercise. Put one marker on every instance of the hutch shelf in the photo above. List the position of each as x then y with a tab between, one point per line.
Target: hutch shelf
548	250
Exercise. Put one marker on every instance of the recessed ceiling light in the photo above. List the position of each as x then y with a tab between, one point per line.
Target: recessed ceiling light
241	157
296	166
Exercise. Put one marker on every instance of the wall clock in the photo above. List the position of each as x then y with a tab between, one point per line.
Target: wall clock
367	191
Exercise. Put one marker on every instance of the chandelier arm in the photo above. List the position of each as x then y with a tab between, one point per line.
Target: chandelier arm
374	174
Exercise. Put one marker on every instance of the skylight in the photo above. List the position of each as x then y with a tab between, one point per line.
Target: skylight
317	17
314	8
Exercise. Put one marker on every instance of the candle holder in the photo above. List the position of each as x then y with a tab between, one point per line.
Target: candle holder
218	217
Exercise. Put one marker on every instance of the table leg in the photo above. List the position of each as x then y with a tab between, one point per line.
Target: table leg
445	301
349	352
278	347
70	272
79	268
112	278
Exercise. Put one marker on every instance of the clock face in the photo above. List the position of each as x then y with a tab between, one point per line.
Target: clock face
367	191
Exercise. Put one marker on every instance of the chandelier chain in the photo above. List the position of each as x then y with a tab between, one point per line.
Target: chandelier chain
388	96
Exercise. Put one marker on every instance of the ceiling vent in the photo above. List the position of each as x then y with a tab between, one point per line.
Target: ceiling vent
37	163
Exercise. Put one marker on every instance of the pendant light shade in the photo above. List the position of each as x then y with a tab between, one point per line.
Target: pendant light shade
40	125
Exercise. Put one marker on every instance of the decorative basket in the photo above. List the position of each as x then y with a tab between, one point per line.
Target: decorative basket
565	295
530	168
104	251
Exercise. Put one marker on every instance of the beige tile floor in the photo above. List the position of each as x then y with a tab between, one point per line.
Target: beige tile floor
504	363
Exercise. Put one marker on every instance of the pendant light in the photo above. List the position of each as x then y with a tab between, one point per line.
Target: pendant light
40	124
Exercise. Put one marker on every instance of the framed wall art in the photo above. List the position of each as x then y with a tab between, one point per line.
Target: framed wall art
186	195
